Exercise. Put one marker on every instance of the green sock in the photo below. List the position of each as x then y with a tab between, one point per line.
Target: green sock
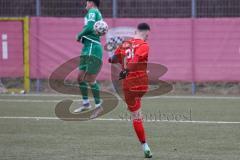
84	89
96	92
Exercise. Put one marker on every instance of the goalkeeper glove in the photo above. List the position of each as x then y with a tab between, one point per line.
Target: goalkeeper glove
123	74
113	59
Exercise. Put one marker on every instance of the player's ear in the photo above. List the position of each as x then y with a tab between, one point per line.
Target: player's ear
145	34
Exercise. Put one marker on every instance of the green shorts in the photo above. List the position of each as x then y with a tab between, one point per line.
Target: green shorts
91	58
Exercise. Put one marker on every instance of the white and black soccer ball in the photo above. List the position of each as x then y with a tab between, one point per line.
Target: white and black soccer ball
101	27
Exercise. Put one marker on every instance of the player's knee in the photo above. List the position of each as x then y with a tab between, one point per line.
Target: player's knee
130	102
80	79
81	76
90	78
92	82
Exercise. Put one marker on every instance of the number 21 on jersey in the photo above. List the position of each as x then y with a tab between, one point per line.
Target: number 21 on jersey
130	53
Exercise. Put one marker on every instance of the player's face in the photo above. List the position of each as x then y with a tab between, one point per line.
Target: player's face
89	5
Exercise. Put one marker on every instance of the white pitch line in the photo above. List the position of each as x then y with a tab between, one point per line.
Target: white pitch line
34	101
38	95
34	118
195	97
76	100
167	97
122	120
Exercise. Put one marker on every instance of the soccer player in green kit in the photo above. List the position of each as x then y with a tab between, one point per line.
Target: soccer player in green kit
90	59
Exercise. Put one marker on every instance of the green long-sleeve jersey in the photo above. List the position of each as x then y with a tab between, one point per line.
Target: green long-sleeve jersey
90	19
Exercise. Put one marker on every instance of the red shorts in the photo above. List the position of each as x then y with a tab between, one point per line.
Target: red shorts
134	88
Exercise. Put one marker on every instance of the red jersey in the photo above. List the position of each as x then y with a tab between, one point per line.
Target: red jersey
133	54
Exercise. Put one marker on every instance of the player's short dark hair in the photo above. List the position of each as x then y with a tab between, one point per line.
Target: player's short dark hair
96	2
143	27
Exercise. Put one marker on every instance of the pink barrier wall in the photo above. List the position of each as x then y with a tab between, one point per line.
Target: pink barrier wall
217	49
52	43
11	60
201	50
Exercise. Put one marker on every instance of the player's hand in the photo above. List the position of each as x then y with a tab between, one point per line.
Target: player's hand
78	39
123	74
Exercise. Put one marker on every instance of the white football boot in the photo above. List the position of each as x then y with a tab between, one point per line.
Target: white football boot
98	109
85	107
147	151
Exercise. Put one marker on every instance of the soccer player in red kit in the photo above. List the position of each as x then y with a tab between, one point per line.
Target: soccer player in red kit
132	54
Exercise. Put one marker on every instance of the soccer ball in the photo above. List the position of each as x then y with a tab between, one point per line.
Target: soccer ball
100	27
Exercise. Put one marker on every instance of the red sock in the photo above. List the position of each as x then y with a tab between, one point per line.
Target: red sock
139	129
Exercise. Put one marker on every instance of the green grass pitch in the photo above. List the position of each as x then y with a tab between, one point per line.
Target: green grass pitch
191	128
